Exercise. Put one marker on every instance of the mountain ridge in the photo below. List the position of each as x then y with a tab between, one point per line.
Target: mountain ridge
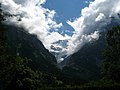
23	44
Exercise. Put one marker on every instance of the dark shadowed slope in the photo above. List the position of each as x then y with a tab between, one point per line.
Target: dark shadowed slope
23	44
86	62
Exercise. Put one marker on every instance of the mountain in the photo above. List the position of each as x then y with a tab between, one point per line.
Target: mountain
86	63
25	45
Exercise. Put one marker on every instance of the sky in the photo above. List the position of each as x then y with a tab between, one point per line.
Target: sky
66	10
63	26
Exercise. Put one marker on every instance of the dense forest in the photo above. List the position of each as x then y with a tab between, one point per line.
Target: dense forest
39	70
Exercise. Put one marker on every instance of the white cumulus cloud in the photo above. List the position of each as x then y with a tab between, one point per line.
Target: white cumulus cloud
92	19
34	18
38	20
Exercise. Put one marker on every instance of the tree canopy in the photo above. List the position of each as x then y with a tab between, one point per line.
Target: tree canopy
112	55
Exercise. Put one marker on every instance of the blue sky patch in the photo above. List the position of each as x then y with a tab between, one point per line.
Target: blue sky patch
65	10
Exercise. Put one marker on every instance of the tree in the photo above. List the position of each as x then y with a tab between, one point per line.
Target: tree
11	66
112	55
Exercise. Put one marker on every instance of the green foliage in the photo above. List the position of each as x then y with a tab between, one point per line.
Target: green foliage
112	55
10	69
15	74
